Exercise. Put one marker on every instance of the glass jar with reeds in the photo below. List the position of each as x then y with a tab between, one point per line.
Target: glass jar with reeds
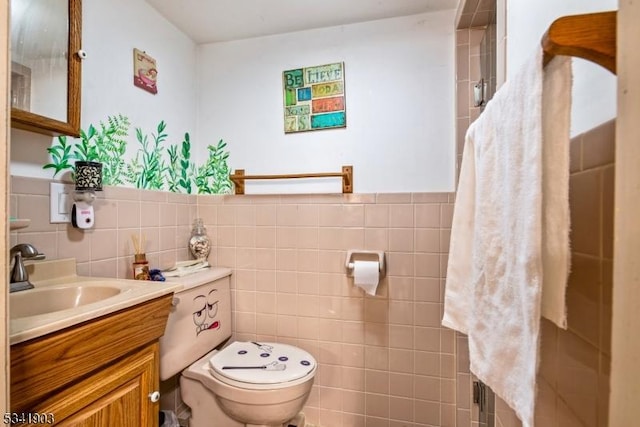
140	263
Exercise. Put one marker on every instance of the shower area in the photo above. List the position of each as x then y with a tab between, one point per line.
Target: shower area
486	86
574	371
476	50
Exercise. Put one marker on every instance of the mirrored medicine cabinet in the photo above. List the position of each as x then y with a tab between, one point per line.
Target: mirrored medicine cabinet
46	63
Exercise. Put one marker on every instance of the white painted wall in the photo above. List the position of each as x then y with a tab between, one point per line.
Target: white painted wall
399	86
111	29
399	96
594	88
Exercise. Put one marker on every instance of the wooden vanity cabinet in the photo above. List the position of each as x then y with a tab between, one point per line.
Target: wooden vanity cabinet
103	372
116	396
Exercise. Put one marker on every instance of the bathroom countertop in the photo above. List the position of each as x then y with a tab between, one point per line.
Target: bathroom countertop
59	273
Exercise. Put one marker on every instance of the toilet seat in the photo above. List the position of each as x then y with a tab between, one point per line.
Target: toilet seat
285	365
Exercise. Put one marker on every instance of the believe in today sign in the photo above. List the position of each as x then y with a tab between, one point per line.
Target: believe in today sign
314	98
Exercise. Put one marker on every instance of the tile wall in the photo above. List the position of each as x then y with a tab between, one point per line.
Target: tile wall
468	60
383	361
467	75
163	218
585	350
575	364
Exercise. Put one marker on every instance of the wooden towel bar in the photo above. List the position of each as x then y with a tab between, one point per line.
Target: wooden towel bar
590	36
239	178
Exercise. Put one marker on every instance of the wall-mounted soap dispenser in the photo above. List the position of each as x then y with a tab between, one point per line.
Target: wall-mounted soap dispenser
88	177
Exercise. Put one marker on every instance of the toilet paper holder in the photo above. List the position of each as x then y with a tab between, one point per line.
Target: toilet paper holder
362	255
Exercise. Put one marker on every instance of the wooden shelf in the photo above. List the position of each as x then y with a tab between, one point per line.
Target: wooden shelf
17	224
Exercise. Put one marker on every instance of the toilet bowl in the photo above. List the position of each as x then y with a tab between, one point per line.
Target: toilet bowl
229	385
244	383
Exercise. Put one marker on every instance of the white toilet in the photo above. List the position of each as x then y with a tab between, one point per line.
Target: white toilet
244	383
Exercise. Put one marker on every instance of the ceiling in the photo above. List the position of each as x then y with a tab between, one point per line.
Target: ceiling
207	21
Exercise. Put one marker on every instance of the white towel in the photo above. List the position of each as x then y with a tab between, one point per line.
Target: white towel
184	268
556	129
505	221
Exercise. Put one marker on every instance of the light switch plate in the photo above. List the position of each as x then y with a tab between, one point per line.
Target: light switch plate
61	200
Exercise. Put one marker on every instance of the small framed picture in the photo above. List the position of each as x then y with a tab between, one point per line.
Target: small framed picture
145	72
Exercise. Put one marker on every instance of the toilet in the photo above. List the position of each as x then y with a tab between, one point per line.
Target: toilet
240	383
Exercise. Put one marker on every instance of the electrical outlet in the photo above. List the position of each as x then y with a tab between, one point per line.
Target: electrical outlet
60	202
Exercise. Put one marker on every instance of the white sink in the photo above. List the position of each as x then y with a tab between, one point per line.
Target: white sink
62	299
49	299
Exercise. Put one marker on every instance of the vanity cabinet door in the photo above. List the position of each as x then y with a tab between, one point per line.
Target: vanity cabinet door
116	396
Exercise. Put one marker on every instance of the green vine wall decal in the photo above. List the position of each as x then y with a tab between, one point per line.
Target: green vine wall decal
213	176
181	170
107	144
61	156
147	169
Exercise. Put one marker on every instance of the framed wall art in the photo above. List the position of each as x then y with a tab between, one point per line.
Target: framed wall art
145	72
314	98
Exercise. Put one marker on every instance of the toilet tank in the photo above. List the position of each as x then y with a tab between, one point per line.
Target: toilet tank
199	321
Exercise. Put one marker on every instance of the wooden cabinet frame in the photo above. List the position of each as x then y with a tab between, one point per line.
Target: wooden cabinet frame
45	125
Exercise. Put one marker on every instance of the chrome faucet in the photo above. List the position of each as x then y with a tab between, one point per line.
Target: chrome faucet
19	280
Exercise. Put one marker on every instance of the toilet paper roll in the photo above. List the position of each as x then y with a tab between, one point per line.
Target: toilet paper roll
366	275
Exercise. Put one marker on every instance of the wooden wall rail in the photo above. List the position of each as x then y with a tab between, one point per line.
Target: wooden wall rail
238	178
590	36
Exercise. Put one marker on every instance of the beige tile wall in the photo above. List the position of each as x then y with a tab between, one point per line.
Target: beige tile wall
383	361
468	73
575	364
163	218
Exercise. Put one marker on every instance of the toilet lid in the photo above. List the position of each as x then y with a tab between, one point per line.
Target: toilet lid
262	363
